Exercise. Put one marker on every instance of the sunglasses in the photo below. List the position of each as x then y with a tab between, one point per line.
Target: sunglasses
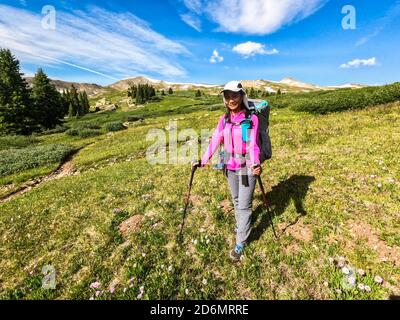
231	95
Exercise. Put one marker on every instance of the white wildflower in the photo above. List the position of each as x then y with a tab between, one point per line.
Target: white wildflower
361	272
378	279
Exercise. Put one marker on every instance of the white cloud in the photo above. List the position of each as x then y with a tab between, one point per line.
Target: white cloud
357	63
216	58
254	16
194	5
248	49
192	21
98	41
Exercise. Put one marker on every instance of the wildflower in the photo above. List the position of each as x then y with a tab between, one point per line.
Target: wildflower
140	296
346	270
95	285
330	259
379	185
378	279
340	264
131	285
131	280
91	298
361	286
326	283
112	290
186	291
367	288
351	280
338	291
208	241
361	272
141	289
124	290
143	254
204	281
162	266
195	241
169	268
98	293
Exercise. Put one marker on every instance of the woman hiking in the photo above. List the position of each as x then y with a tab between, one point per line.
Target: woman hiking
237	130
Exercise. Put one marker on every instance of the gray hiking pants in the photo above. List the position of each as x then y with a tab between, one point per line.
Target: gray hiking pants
242	197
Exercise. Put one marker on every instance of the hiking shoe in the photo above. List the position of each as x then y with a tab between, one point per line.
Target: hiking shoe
237	254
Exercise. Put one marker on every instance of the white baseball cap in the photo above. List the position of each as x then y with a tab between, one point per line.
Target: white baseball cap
236	86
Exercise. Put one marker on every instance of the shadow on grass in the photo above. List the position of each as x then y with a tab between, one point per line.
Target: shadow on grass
295	188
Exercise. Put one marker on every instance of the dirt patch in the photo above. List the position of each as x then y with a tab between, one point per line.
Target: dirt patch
291	249
130	225
195	200
363	231
226	206
298	231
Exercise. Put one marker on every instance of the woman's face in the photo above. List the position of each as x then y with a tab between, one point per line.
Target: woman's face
233	100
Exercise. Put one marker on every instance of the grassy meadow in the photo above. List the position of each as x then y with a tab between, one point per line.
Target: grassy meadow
333	184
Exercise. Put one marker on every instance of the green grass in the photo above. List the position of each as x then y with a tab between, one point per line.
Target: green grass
318	182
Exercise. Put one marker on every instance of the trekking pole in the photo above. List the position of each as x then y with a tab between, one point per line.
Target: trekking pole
187	201
266	204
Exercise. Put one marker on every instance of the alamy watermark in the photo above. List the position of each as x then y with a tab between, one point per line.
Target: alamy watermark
49	17
49	279
349	21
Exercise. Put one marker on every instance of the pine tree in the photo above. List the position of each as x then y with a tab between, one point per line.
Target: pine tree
75	106
47	101
17	115
139	95
170	91
86	103
198	93
279	92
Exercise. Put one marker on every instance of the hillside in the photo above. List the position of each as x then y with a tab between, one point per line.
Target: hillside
90	88
286	85
106	219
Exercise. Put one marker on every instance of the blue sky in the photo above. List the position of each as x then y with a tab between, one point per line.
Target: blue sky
202	41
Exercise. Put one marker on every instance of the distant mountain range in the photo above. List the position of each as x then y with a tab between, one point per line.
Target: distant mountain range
285	85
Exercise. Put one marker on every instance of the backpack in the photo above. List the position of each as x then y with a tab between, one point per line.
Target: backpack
261	109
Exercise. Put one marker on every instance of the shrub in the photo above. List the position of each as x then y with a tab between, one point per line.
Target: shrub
73	132
87	133
8	142
57	129
16	160
114	126
134	118
323	102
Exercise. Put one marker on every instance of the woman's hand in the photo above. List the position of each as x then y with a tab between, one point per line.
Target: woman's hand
257	170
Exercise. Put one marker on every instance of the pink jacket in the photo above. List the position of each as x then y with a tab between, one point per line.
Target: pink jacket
234	143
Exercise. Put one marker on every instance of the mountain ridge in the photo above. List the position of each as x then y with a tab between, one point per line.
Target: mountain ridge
287	84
